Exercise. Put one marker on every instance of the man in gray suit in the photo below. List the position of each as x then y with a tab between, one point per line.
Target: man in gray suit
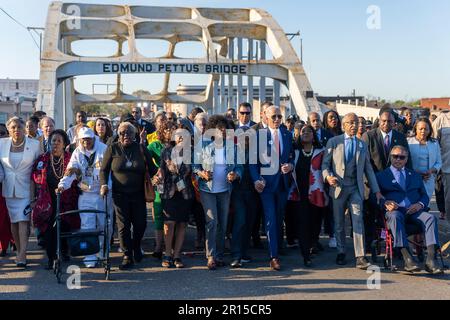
345	162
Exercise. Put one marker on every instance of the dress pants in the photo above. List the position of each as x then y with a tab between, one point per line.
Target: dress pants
131	210
398	219
274	204
351	199
244	203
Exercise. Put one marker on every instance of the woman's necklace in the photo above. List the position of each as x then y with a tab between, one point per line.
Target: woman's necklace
308	154
19	145
60	167
128	164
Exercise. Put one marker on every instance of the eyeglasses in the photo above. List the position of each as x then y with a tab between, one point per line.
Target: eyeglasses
124	133
398	157
170	119
244	113
276	116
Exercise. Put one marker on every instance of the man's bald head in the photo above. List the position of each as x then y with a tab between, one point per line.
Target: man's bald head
314	120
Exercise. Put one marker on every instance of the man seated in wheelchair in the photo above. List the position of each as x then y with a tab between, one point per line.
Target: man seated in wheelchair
405	202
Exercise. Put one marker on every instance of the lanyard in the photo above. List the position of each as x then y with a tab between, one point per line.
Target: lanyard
90	160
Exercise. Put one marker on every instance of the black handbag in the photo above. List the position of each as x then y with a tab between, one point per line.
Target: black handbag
83	245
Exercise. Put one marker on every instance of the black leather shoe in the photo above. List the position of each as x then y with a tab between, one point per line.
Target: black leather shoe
127	264
236	263
340	259
431	267
362	263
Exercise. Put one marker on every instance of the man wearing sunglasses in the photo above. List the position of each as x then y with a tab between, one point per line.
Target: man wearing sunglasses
273	187
244	116
405	201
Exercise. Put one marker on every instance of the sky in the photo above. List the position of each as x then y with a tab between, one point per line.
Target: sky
406	57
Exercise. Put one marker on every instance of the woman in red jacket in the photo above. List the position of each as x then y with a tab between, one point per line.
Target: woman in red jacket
48	170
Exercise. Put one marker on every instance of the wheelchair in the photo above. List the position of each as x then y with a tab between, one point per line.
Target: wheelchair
414	232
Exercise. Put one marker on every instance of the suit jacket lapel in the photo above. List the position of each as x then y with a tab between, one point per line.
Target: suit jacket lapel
340	150
380	146
358	150
408	178
285	142
6	151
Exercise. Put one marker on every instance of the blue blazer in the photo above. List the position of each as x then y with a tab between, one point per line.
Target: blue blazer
287	156
391	190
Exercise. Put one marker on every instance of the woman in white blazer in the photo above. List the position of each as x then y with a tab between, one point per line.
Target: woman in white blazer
425	153
17	156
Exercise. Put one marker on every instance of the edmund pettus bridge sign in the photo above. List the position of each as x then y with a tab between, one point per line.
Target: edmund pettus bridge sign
223	34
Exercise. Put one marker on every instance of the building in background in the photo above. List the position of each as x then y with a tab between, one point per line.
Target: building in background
17	98
435	104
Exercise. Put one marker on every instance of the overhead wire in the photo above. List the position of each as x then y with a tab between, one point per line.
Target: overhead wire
20	24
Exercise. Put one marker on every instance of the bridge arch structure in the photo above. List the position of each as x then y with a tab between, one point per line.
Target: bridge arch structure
222	33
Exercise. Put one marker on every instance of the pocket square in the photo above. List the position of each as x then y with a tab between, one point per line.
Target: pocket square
394	181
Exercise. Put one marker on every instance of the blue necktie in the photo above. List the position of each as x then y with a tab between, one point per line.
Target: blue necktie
349	151
402	180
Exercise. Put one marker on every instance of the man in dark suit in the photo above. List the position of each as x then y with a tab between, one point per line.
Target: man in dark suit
137	115
380	142
256	237
271	178
244	198
405	200
322	134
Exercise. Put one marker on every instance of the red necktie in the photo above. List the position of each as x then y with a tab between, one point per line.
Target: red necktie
276	140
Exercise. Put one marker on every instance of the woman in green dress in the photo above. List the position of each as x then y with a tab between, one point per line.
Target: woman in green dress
155	147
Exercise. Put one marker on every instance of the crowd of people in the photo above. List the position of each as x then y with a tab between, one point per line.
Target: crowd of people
306	176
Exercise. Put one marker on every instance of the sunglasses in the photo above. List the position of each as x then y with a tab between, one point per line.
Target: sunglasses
244	113
125	133
276	116
398	157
